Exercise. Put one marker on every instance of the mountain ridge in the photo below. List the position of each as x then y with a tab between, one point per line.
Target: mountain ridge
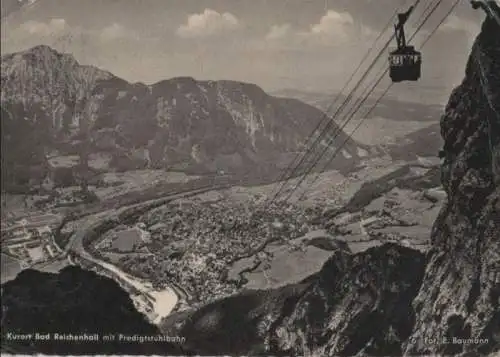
178	122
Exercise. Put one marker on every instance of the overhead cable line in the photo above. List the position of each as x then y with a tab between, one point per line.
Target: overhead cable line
366	97
359	102
331	121
381	52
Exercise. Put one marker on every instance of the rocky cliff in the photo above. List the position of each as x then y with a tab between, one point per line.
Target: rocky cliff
391	300
460	292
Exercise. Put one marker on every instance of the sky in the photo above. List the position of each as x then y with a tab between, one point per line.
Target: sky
304	44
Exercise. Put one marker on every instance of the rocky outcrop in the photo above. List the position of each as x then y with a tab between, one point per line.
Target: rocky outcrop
460	293
359	304
73	302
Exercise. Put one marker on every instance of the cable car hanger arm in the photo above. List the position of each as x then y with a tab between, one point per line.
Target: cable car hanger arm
399	27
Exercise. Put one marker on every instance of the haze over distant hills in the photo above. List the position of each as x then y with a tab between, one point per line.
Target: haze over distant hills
405	129
389	107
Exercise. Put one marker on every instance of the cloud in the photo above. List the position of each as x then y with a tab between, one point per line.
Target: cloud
278	31
208	23
53	27
332	29
114	32
333	24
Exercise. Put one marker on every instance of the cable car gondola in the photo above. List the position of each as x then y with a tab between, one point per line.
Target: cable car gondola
405	62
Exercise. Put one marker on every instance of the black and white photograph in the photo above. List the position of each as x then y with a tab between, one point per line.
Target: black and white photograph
287	178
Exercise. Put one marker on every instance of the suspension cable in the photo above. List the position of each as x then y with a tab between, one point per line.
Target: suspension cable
300	158
346	101
362	102
324	118
425	14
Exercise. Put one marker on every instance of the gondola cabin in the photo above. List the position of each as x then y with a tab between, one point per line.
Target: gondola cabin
405	64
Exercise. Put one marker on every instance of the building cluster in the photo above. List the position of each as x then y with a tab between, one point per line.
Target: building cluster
195	244
30	240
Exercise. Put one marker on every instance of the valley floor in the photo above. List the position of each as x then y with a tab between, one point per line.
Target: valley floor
219	242
198	248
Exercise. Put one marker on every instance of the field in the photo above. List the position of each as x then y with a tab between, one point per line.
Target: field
330	189
53	266
127	240
286	266
383	202
119	183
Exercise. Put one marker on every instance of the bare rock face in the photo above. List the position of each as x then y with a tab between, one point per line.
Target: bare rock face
459	297
359	304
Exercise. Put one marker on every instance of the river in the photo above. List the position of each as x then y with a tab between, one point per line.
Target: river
162	301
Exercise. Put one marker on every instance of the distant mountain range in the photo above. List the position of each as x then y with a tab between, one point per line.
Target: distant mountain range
52	105
389	107
417	142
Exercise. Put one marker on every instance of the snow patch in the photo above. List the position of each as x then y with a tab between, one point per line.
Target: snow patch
196	153
192	100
